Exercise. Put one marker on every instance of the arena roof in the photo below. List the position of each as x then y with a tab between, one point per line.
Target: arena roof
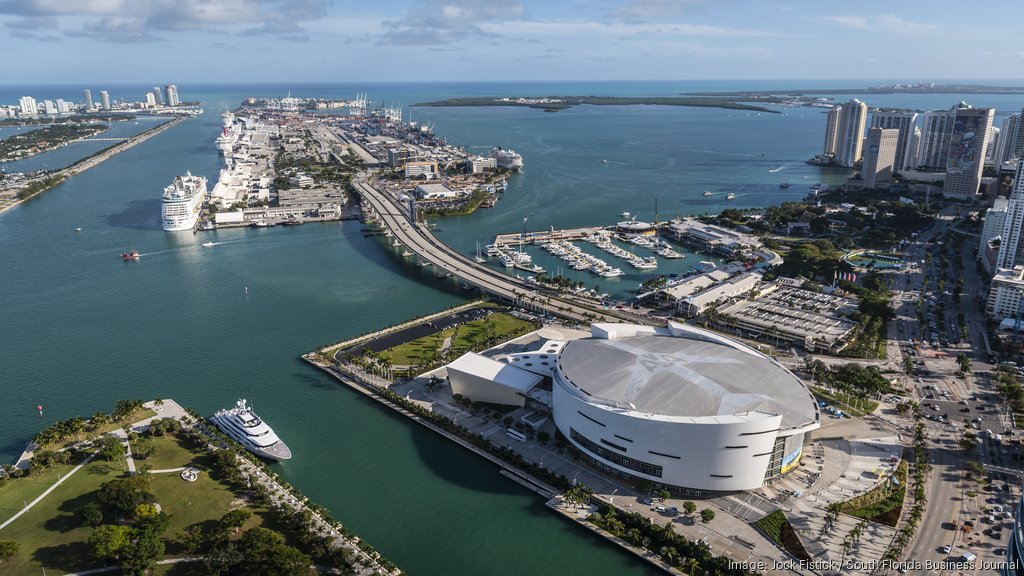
681	376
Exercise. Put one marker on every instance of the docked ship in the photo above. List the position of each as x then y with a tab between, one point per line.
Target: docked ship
229	134
246	428
182	202
507	159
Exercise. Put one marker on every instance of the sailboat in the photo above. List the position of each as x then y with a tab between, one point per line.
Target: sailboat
479	257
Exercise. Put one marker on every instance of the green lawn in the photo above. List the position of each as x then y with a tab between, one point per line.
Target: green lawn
169	453
49	534
470	336
190	502
18	491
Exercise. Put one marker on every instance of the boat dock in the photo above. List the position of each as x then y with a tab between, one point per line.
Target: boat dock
546	236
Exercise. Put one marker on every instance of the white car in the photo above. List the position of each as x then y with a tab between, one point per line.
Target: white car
946	549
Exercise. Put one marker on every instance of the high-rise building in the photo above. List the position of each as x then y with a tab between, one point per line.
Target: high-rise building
831	131
1017	148
995	222
28	106
935	135
172	95
62	106
150	99
879	155
850	134
49	107
105	99
1006	294
159	95
1011	248
1007	139
968	144
905	123
993	143
88	99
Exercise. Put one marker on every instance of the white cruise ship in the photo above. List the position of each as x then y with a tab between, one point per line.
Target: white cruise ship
246	428
229	134
183	200
507	159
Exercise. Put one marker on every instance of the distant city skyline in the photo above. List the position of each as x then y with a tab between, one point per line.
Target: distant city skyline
487	40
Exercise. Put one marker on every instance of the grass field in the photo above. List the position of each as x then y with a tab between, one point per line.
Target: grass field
470	336
50	536
169	453
17	492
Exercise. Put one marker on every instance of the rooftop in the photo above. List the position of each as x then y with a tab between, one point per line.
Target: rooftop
509	376
686	377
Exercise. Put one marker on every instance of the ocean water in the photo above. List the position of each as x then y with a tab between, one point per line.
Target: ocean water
80	329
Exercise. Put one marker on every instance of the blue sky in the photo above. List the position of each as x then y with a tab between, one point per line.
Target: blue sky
73	41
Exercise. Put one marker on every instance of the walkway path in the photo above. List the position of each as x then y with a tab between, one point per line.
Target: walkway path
47	492
169	408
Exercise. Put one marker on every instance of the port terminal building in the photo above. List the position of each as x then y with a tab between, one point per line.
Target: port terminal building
680	407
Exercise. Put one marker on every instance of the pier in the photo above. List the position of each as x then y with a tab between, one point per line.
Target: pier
419	239
545	236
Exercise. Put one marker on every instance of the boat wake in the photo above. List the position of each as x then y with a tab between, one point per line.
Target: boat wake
779	169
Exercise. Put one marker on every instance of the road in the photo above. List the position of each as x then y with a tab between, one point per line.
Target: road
419	239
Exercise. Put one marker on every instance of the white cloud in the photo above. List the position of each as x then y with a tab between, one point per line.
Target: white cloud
885	23
659	8
438	22
136	20
563	28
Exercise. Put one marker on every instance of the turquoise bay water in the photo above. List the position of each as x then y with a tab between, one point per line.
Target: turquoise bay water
80	329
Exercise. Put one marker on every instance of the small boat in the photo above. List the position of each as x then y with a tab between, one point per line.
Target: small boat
624	215
479	259
406	254
297	222
208	244
730	196
708	193
604	161
130	256
784	185
79	229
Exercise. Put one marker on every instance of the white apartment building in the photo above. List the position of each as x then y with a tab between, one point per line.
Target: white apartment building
28	106
1006	294
850	136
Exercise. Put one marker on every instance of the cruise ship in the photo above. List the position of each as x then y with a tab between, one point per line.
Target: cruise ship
507	159
246	428
182	202
229	134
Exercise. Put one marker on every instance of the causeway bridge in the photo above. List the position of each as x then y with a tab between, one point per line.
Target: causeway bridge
419	239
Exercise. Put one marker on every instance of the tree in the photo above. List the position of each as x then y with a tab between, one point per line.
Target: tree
125	494
234	519
111	449
689	507
8	548
109	541
707	515
90	514
664	494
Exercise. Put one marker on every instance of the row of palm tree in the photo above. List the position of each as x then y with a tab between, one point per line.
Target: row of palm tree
74	428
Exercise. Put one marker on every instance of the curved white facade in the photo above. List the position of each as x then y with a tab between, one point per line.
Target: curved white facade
690	439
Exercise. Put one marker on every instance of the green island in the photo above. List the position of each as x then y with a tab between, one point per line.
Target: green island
151	489
556	103
33	142
75	119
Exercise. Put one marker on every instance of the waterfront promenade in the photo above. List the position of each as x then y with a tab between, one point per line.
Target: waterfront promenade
9	198
419	239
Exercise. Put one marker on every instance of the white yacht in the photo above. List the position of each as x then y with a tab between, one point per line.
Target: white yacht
506	260
246	428
182	202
